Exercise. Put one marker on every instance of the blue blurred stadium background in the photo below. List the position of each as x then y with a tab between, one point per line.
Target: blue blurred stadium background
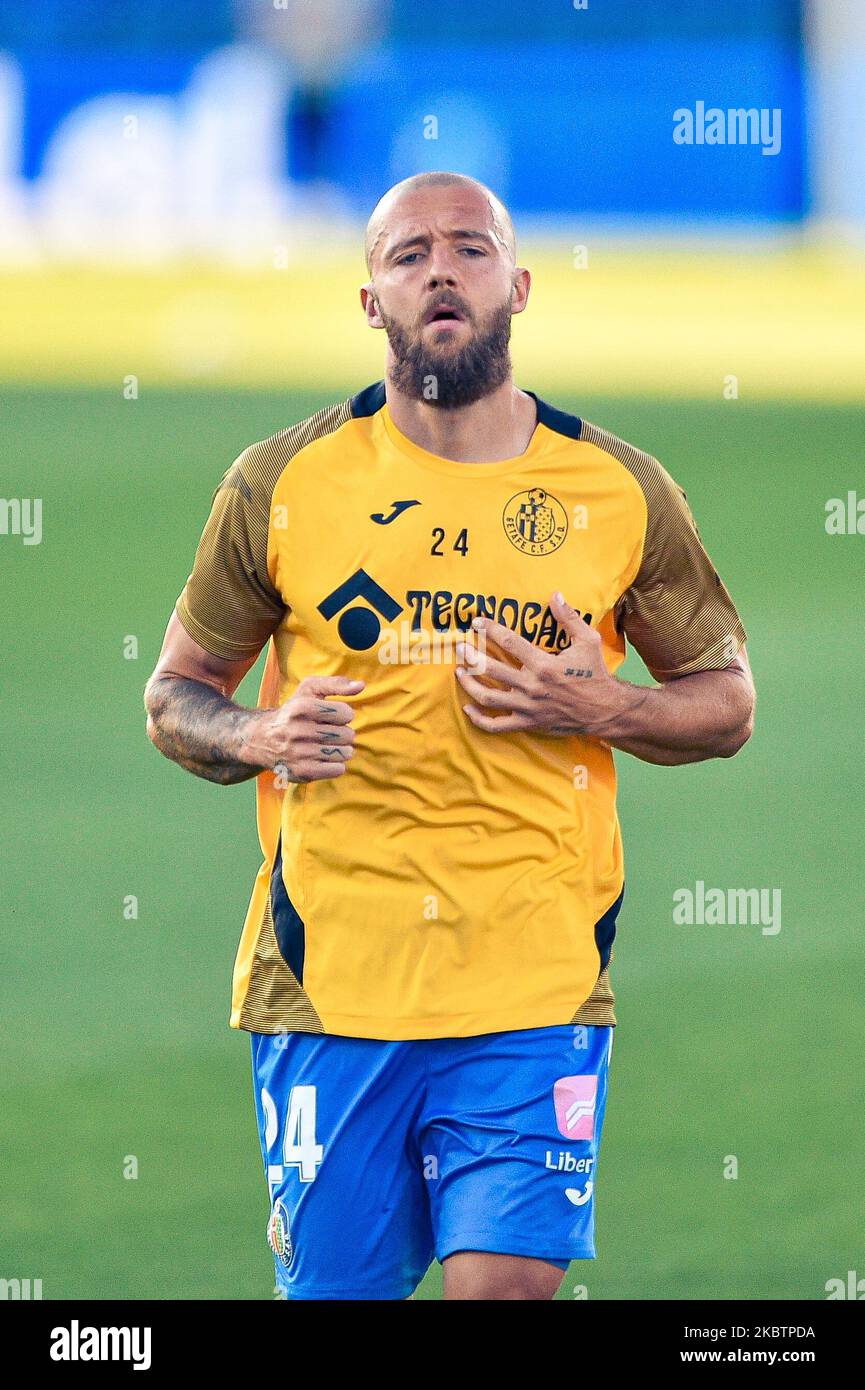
159	152
596	83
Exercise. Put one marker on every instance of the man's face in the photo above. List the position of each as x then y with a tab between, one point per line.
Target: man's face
444	288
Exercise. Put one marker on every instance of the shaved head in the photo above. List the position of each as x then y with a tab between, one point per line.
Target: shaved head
501	225
443	284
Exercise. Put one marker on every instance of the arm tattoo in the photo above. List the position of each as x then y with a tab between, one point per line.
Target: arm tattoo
200	729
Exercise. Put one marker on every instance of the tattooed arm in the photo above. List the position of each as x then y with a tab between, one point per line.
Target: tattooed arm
192	719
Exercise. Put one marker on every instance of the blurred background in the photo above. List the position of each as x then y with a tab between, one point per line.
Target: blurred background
183	190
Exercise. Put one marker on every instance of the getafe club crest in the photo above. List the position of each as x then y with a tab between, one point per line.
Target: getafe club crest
535	522
278	1237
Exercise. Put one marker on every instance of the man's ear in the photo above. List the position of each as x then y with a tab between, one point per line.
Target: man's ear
520	290
370	306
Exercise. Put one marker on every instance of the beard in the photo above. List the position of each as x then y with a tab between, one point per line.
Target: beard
447	378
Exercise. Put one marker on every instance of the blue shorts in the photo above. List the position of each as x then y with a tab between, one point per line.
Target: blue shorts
380	1156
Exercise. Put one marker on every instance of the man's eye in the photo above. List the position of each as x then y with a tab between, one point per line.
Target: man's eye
472	250
404	260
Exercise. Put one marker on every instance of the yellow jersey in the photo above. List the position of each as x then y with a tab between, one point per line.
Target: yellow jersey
451	882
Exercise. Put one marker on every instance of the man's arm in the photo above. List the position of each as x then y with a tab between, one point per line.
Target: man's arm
192	719
708	714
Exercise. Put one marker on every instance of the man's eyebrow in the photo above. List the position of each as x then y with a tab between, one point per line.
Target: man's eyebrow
403	245
467	234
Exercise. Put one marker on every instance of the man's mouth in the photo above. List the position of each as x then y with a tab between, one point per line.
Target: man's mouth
444	313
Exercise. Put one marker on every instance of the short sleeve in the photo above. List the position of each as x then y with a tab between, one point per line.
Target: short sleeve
229	604
677	613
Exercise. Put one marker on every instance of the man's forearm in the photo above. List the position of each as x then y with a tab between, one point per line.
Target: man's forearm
202	730
706	715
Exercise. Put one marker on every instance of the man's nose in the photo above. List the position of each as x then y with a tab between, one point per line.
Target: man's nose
441	269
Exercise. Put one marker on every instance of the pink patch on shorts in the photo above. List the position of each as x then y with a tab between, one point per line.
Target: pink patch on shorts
574	1099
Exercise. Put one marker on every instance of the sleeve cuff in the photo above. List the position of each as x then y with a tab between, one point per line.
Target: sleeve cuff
714	658
211	641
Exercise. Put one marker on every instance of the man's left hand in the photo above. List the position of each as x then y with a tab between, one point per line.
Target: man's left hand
569	693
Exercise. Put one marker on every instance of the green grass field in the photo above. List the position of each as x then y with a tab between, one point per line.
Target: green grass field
115	1035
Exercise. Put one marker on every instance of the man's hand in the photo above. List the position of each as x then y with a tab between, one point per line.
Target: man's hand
308	738
708	714
570	693
193	720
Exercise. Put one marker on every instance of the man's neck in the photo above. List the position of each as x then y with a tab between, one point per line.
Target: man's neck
498	426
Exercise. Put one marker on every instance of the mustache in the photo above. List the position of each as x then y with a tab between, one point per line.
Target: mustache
453	301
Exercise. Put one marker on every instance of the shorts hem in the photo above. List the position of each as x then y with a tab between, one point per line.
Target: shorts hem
343	1294
498	1242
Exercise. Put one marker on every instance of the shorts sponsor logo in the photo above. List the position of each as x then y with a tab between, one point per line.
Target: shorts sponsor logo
565	1162
577	1197
278	1237
574	1098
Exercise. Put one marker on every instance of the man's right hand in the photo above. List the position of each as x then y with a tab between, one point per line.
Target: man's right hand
193	720
309	737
